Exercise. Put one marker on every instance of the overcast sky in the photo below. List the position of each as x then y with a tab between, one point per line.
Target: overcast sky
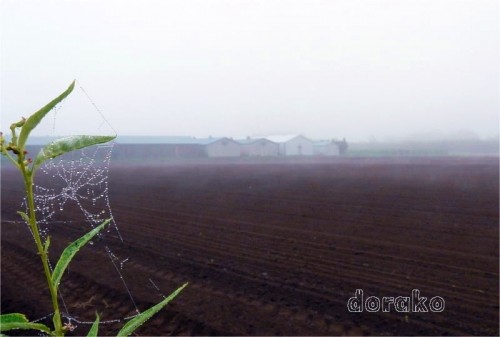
326	69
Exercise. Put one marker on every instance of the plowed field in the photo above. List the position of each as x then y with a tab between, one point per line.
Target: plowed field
276	248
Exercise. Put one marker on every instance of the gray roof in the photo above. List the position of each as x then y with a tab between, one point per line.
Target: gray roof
252	140
284	138
154	139
207	141
172	140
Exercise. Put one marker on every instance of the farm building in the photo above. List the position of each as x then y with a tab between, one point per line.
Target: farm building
152	152
220	147
258	147
326	148
179	147
293	145
160	148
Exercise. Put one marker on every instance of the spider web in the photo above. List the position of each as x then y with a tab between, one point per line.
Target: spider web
83	180
73	190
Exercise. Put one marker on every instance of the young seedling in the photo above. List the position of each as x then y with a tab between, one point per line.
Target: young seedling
15	151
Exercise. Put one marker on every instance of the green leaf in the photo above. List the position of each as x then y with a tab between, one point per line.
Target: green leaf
94	328
19	321
12	319
34	119
137	321
25	217
67	144
70	251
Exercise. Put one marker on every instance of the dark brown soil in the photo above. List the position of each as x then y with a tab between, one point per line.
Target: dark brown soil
277	249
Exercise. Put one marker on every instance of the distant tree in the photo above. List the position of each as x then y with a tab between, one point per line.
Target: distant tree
342	144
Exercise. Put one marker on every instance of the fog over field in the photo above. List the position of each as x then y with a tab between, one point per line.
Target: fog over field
381	70
291	167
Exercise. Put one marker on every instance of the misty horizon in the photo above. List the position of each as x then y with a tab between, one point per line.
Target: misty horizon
460	136
362	70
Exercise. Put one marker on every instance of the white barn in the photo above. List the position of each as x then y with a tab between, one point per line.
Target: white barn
293	145
220	147
258	147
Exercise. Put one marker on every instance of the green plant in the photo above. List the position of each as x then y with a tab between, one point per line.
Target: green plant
16	152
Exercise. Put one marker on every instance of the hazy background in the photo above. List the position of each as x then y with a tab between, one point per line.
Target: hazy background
364	70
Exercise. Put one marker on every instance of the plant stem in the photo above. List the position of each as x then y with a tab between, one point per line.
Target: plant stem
28	182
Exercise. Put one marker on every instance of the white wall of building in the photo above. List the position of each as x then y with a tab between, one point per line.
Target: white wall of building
298	146
260	148
223	147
